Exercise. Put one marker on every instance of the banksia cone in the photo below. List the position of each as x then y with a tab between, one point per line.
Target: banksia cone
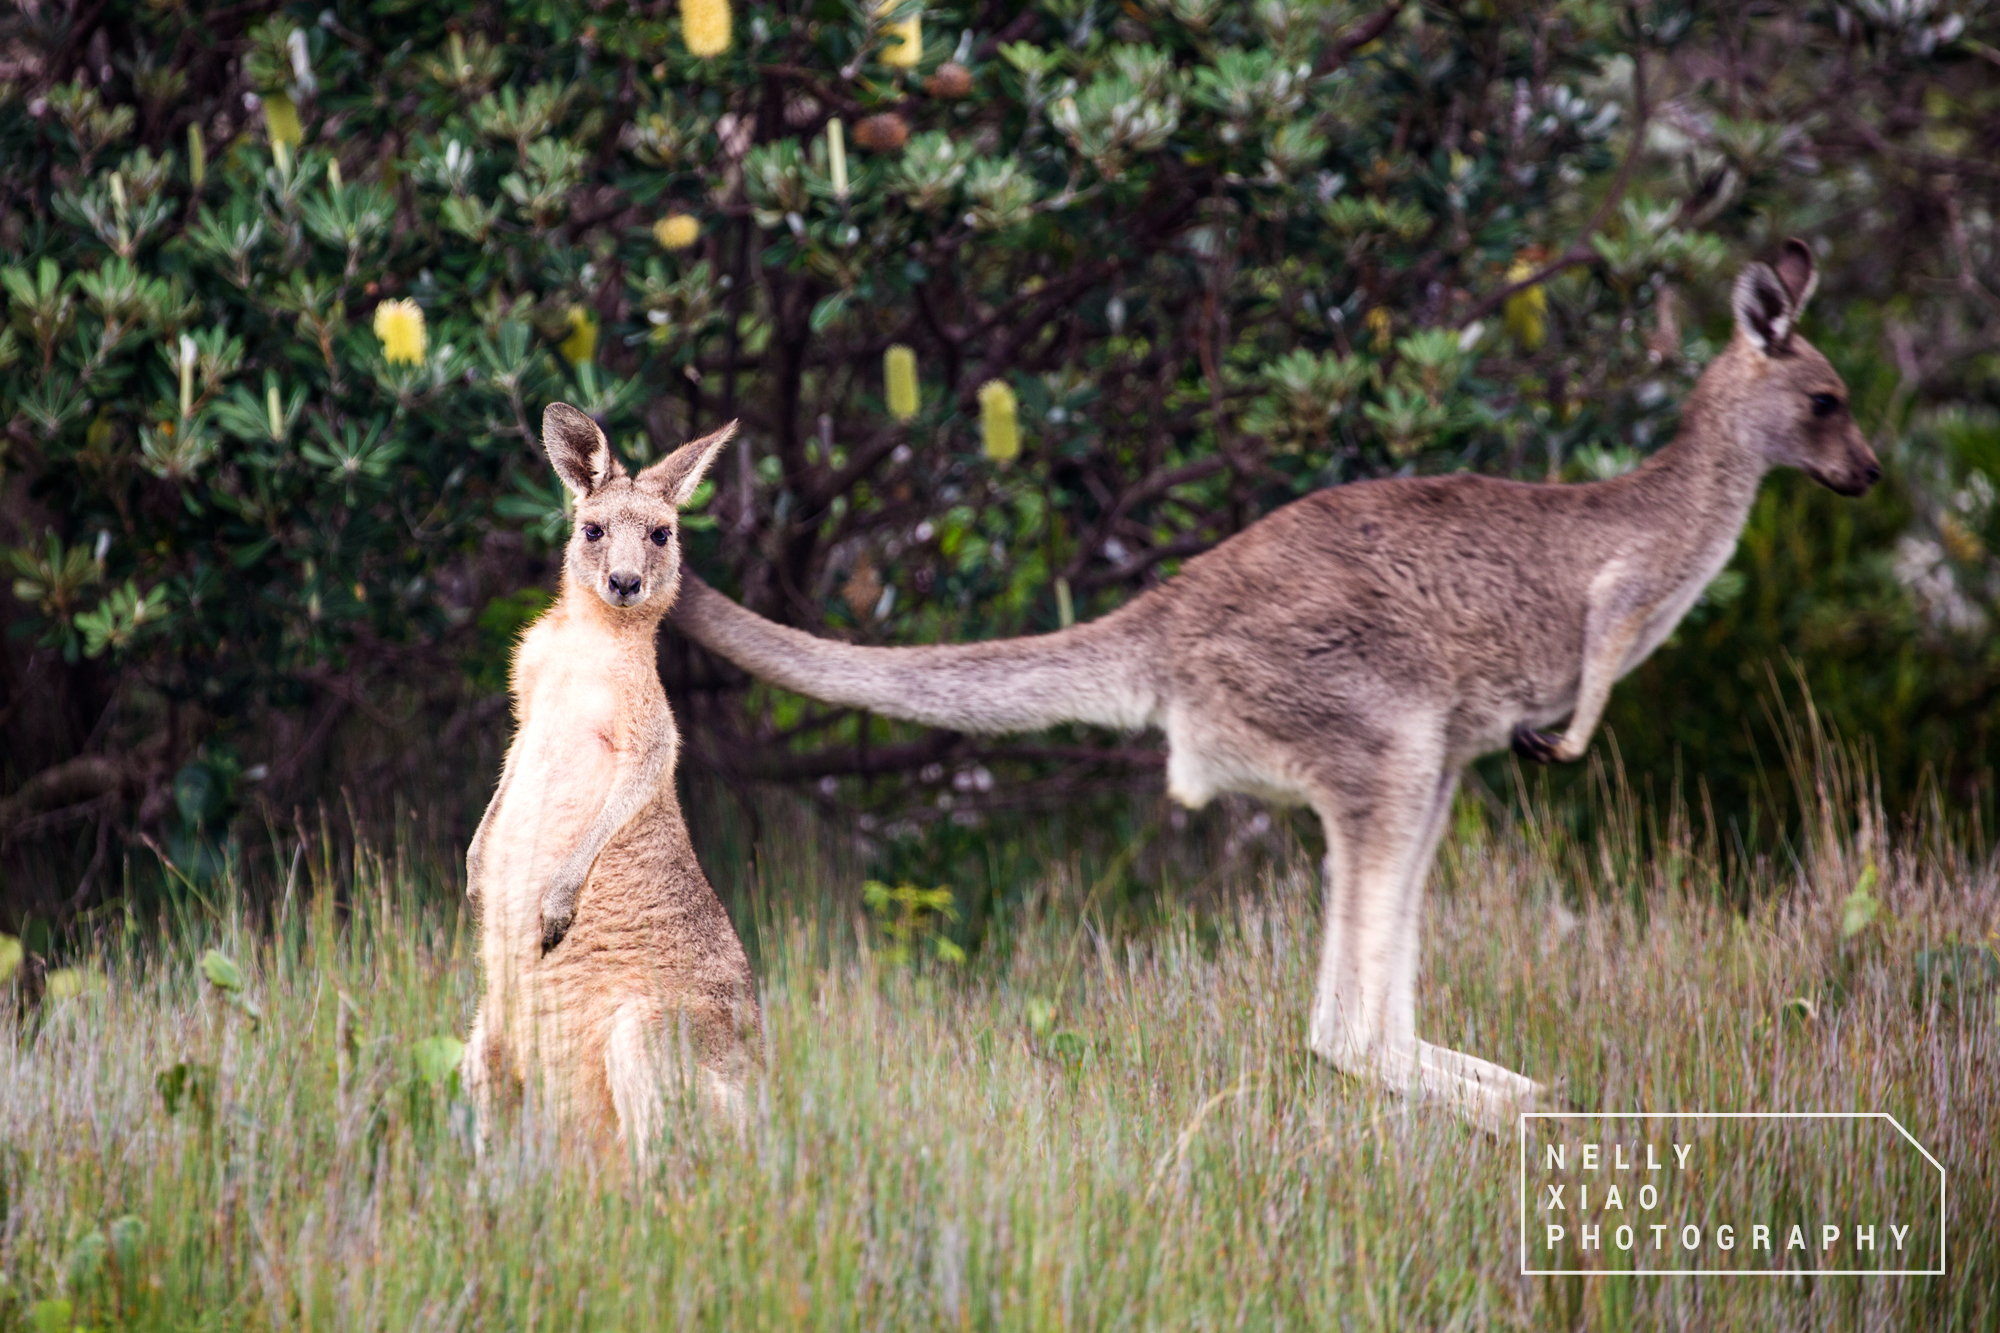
836	156
705	26
400	326
581	344
1526	313
999	426
899	373
676	231
903	43
281	120
882	134
951	80
1379	323
197	156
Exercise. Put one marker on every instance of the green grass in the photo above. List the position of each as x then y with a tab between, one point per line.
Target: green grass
1097	1121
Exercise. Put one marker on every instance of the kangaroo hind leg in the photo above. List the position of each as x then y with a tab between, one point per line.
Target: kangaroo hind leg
638	1074
481	1075
649	1058
1380	844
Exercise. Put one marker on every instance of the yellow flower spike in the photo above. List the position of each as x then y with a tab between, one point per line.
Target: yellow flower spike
899	373
999	425
676	231
400	326
905	38
906	42
581	344
1379	325
281	121
705	26
836	156
1526	313
197	156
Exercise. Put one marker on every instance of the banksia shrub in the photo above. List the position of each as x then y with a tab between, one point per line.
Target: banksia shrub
899	374
277	420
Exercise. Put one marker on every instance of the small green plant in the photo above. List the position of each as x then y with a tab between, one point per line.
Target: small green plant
914	921
1861	909
227	979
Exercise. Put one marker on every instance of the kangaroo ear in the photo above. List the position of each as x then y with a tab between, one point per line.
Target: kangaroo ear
676	475
1764	309
1796	270
578	449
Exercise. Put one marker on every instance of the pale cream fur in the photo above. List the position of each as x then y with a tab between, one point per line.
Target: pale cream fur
613	978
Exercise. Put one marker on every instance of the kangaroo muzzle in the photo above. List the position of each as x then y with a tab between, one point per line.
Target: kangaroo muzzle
1863	470
622	587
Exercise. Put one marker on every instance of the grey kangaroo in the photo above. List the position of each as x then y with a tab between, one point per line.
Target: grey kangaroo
1354	650
600	936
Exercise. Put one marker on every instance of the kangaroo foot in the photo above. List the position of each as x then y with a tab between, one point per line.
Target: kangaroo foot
1536	746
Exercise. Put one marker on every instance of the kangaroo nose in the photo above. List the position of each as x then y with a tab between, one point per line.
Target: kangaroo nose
625	585
1873	472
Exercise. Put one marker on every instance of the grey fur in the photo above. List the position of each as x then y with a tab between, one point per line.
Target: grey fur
1354	650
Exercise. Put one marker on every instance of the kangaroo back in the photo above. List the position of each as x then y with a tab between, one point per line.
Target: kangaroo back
1103	672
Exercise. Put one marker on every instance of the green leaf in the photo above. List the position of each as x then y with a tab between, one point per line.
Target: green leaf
1860	910
827	311
86	1260
222	972
51	1316
1857	914
437	1059
67	983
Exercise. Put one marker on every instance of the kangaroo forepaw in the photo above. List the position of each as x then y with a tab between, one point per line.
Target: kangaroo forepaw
1536	746
555	924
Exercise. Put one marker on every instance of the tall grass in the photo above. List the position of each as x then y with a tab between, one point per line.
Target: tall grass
1096	1122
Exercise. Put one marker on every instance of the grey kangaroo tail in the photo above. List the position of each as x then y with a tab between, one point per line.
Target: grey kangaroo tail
1103	672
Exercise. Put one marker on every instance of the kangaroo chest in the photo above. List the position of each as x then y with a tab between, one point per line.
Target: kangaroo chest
1680	588
564	761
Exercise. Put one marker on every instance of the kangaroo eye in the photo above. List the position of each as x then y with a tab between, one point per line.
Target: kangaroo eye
660	536
591	532
1825	404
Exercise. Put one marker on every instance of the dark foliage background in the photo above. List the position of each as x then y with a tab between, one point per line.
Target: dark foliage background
1218	253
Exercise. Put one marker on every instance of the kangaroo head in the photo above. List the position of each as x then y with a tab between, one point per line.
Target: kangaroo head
625	545
1794	407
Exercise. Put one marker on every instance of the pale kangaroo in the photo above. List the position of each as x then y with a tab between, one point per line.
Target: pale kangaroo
1354	650
610	965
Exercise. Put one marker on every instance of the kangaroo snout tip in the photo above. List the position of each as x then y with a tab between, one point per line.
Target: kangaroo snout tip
1866	472
1852	480
621	588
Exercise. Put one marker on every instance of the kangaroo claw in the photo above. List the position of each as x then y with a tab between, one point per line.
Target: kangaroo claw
555	925
1534	745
